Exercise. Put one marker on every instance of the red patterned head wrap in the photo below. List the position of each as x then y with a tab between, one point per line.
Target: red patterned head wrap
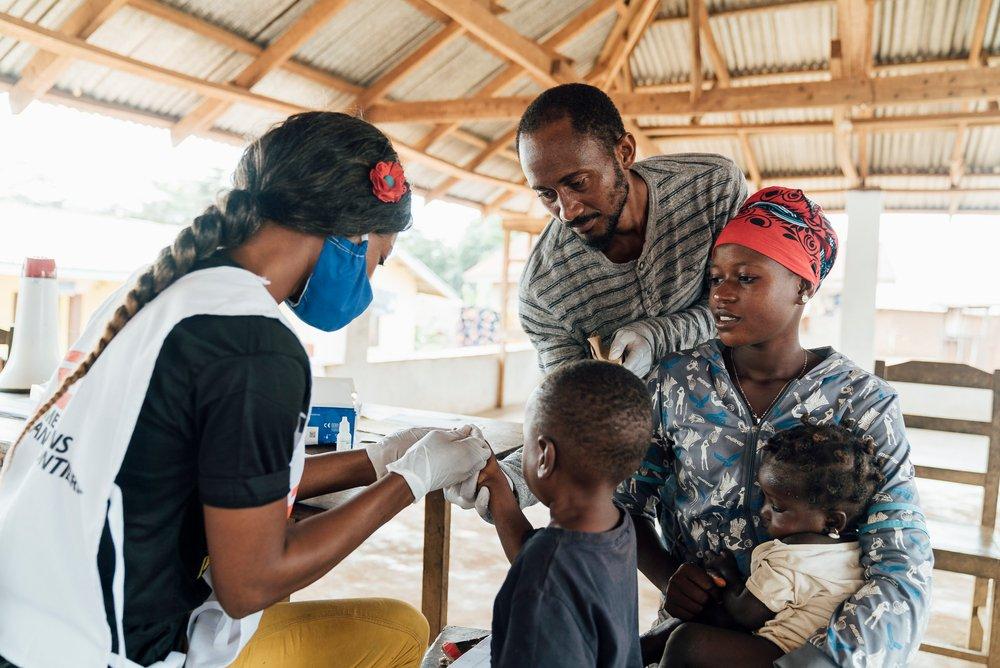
784	225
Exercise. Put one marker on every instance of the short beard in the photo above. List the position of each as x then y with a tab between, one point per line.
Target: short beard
602	242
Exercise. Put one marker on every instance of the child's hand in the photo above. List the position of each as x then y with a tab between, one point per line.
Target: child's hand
722	568
491	475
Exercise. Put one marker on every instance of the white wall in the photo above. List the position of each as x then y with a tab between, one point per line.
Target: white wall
455	381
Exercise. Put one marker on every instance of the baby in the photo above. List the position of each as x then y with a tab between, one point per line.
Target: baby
817	482
570	598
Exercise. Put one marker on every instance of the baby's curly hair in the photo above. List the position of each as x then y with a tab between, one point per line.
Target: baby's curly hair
836	469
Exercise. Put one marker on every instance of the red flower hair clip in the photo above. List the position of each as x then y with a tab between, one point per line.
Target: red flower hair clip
388	181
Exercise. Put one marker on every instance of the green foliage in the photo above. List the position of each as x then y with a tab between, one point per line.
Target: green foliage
181	201
482	238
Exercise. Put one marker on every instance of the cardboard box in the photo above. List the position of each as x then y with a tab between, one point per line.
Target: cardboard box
332	399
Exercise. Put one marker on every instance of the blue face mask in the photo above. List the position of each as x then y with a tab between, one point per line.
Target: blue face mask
338	291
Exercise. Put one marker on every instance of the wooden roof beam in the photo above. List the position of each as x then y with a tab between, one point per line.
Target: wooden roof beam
712	47
45	68
240	44
922	88
621	42
979	34
748	157
694	21
512	72
755	9
381	86
881	124
854	30
274	56
76	48
73	47
505	40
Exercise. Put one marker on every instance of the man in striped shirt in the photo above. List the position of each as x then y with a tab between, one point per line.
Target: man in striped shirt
625	256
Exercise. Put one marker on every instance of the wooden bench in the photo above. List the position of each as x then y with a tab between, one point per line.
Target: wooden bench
972	549
377	421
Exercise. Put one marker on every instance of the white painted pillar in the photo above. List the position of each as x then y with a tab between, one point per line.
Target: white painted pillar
857	314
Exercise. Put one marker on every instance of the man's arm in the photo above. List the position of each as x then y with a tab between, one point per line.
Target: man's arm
553	343
889	613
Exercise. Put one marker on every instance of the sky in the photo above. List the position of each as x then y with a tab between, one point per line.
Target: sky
93	162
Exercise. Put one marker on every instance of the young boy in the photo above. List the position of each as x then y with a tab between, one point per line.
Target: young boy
570	597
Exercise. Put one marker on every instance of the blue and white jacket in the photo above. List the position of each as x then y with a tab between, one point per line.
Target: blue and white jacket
699	481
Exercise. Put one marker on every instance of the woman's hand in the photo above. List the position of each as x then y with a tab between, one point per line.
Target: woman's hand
689	590
722	568
392	447
441	458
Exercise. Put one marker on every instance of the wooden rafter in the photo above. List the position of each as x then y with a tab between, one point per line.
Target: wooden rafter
78	49
882	124
274	56
748	157
712	47
854	26
502	38
380	87
513	72
642	16
753	9
694	21
45	68
923	88
240	44
622	40
979	33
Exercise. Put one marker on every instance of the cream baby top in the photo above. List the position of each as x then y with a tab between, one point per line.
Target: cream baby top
803	585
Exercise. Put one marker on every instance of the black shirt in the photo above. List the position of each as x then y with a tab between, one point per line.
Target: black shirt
570	599
217	427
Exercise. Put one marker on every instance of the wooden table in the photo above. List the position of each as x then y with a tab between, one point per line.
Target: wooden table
378	420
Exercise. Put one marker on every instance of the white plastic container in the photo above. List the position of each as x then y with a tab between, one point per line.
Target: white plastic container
35	353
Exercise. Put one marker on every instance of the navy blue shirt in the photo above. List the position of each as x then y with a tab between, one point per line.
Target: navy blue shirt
570	599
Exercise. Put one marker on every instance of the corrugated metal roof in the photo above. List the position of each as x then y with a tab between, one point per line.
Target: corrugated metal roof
914	30
366	38
920	152
345	45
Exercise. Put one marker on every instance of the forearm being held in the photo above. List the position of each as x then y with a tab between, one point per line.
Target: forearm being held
511	524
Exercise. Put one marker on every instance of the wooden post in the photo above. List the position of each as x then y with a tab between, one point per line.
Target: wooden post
504	300
437	541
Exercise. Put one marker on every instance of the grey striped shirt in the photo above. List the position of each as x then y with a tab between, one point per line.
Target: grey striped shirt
570	292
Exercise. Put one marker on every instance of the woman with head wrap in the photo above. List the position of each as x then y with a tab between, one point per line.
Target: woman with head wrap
718	404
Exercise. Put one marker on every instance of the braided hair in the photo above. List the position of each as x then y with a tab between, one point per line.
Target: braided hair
835	469
309	173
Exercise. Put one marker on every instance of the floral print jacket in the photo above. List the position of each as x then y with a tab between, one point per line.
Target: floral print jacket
698	480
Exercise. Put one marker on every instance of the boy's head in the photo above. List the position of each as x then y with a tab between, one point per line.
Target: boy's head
816	479
587	425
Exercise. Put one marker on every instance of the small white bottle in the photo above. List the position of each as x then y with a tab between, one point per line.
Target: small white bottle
344	434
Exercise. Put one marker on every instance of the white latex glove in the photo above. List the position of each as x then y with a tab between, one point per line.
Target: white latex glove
439	459
392	447
464	494
633	349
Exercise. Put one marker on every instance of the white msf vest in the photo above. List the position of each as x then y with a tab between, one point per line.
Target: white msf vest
58	490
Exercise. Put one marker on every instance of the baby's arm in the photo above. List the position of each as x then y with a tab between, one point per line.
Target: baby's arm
745	609
511	524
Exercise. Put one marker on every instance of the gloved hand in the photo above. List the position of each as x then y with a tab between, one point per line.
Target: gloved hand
439	459
392	447
464	494
632	347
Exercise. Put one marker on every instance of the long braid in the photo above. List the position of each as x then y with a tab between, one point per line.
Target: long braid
207	233
310	173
